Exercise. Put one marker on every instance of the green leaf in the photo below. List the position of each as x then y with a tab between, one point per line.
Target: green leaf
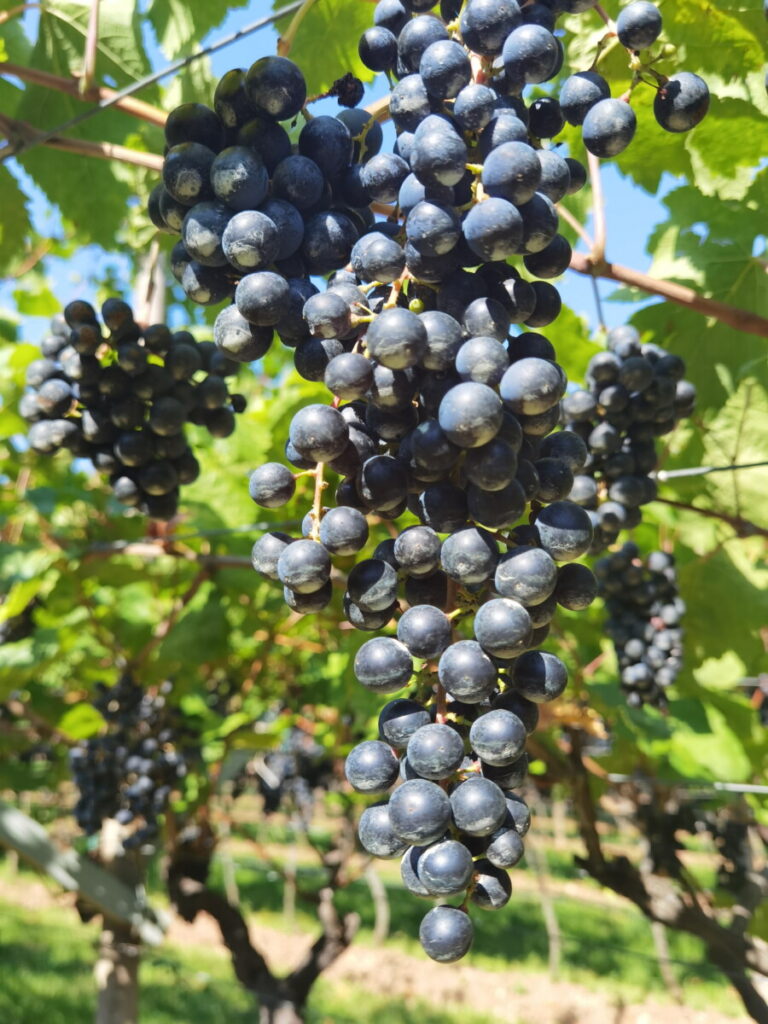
14	220
708	243
70	180
36	297
201	635
80	721
180	25
325	47
19	596
715	754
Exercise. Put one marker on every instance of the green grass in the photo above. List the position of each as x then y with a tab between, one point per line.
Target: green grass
46	960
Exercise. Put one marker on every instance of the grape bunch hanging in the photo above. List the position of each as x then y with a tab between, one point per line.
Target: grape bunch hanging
644	621
130	770
635	393
443	395
288	778
122	397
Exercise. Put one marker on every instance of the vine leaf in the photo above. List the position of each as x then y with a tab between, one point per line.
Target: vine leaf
325	47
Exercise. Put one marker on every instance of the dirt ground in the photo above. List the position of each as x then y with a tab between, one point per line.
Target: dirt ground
514	997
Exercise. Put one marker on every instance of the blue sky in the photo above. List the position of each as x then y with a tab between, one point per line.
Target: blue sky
630	212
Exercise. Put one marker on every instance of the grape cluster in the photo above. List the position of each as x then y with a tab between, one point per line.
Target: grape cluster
515	46
258	215
288	778
444	394
663	820
644	615
446	419
635	393
121	398
129	771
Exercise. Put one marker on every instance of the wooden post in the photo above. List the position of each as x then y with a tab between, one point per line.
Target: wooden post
116	971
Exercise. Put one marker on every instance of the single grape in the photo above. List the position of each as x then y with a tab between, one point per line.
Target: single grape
478	806
419	811
371	767
446	934
492	888
466	672
435	751
375	833
272	485
383	665
445	868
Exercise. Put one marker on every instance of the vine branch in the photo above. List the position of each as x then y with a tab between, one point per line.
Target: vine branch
150	551
94	93
187	887
742	527
661	900
733	316
19	133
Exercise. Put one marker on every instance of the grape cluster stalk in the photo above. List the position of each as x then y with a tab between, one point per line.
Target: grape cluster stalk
444	396
121	397
644	621
130	770
635	393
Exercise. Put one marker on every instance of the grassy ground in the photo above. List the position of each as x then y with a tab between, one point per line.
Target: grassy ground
45	976
606	946
46	955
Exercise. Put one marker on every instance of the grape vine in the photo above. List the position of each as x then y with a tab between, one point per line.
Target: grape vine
437	409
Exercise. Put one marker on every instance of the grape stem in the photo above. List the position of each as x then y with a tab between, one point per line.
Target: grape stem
598	207
14	12
568	217
397	287
598	9
598	304
91	49
441	712
286	41
149	293
317	502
